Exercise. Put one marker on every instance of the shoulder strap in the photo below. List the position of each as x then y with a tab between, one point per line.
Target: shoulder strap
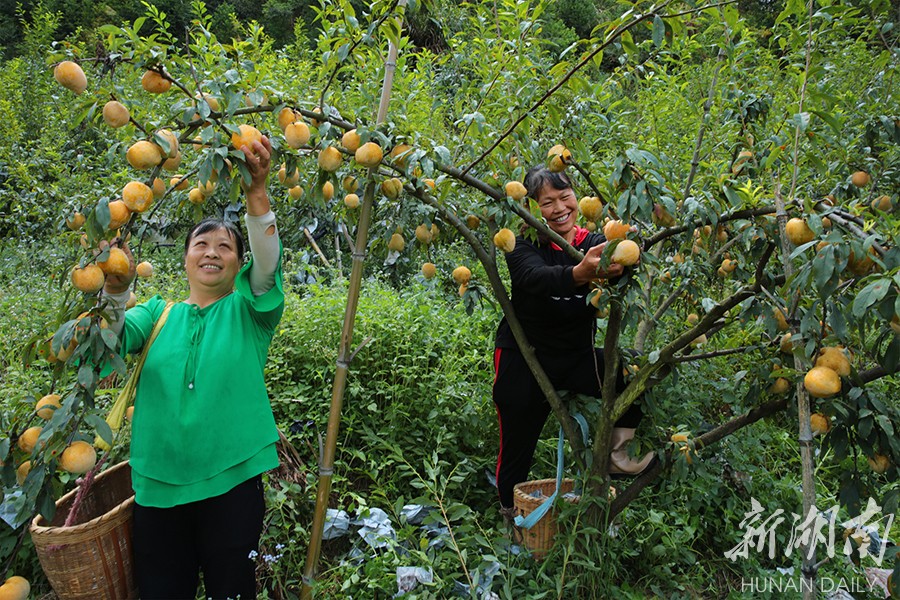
126	396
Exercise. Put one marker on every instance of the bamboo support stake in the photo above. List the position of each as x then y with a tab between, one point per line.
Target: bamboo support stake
326	460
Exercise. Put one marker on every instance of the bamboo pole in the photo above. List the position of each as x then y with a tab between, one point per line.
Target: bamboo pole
345	354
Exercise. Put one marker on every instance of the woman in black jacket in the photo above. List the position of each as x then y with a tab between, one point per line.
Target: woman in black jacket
549	296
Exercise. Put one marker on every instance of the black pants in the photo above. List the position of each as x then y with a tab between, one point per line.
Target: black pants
215	536
522	408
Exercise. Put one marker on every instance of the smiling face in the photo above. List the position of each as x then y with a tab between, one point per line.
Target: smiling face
212	262
559	208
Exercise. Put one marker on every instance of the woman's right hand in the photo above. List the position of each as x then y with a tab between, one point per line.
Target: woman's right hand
117	284
589	267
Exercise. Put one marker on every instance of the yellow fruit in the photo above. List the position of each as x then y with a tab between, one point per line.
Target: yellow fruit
211	101
678	259
286	116
155	83
462	275
679	438
835	359
129	413
172	140
515	190
826	222
327	190
144	269
196	196
627	253
882	203
289	181
391	187
247	134
743	157
729	265
785	344
89	280
317	122
296	134
350	140
799	232
159	188
400	154
137	196
780	386
28	439
879	463
463	288
895	324
819	423
423	234
860	179
76	221
78	458
559	156
473	222
23	471
119	214
172	164
435	231
115	114
16	587
350	184
699	340
116	263
505	239
397	243
430	183
143	155
429	270
330	159
351	201
822	382
47	405
591	208
616	230
132	301
860	266
693	318
179	182
781	319
71	76
369	155
296	192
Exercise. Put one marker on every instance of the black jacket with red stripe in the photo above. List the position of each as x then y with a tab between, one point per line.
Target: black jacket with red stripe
553	311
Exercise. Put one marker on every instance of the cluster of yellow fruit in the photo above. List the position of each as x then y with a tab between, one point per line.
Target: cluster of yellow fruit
824	379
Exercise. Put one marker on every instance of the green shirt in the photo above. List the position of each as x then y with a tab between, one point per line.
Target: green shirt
202	419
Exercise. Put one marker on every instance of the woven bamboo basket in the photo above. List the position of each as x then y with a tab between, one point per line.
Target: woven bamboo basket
539	539
93	558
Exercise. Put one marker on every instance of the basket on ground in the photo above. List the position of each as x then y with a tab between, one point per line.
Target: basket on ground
539	539
91	559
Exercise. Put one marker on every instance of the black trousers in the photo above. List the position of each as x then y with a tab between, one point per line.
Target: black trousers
216	536
522	408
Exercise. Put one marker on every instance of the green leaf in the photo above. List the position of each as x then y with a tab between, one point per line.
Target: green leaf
628	43
100	426
872	293
659	31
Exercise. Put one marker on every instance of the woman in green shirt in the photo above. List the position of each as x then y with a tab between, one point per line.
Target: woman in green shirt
203	430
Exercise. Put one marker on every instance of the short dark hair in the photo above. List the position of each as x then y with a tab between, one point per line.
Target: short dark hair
213	223
539	175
